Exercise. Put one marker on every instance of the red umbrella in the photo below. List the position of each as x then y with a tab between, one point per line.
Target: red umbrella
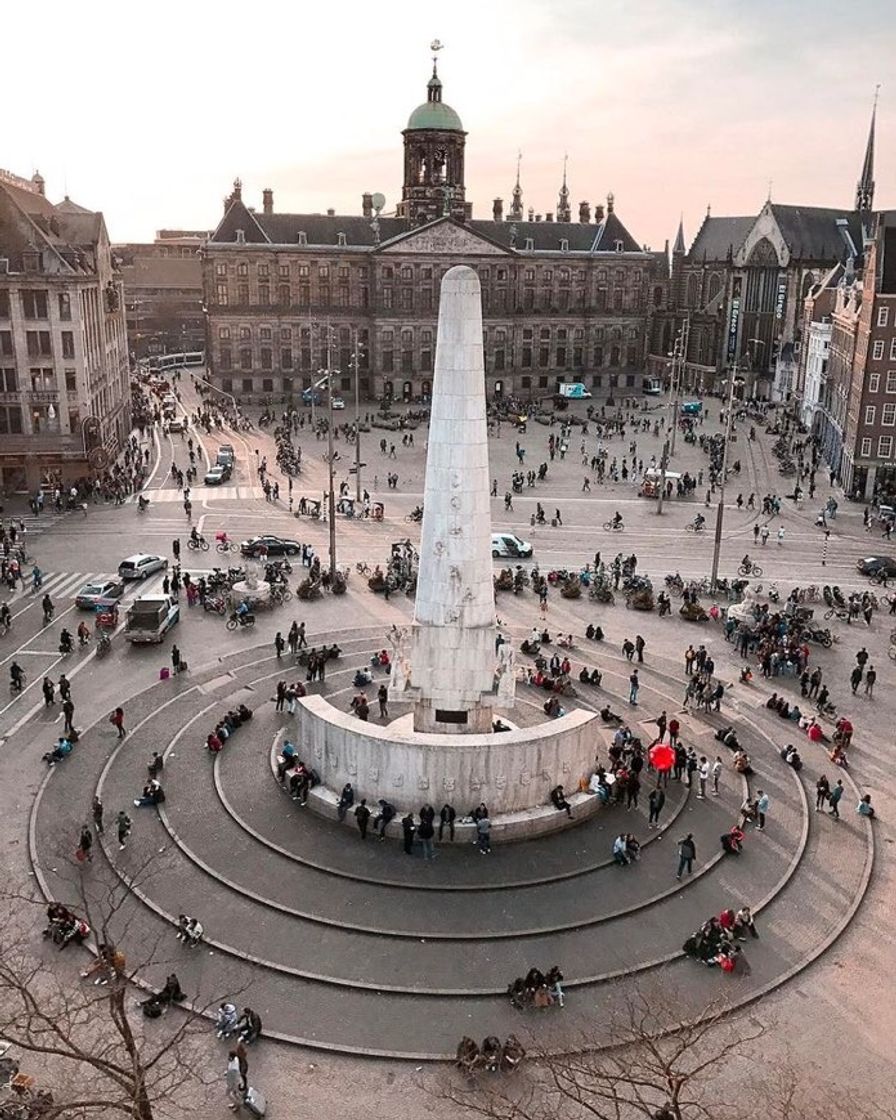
662	756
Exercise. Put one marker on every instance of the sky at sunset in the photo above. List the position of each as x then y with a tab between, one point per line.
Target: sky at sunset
148	111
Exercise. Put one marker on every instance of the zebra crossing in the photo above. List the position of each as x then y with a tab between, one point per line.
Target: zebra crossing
66	585
218	493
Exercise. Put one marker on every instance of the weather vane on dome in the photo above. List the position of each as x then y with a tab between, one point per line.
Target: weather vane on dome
435	46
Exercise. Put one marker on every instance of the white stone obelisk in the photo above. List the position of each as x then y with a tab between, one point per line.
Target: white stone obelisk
452	659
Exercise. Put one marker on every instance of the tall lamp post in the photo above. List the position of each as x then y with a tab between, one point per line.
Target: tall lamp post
678	356
331	503
720	511
356	359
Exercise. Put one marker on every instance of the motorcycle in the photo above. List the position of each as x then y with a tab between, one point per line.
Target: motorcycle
198	544
816	634
66	647
240	620
103	645
215	605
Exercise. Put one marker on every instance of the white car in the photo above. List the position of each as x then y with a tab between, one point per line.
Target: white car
337	403
510	545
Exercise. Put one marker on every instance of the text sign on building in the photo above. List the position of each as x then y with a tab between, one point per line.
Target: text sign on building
781	298
733	324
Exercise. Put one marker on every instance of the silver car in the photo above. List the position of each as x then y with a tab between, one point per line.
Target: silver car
141	566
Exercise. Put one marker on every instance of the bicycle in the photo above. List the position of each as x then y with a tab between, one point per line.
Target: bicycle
749	570
225	546
362	569
613	527
693	527
837	612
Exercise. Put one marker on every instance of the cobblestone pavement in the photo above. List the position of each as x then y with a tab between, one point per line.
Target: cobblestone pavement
363	949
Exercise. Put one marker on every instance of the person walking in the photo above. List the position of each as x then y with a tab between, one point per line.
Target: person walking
655	801
628	648
117	721
870	678
362	816
175	659
123	822
834	799
300	634
68	710
382	695
822	792
855	678
292	638
687	853
716	775
233	1077
762	803
85	843
780	536
447	816
639	647
633	685
97	814
279	645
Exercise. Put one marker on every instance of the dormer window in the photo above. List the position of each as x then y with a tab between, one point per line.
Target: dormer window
303	237
340	239
241	237
564	245
618	246
530	243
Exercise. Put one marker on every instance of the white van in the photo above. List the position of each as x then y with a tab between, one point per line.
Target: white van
510	545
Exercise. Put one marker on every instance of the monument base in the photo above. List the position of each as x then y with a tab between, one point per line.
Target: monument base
512	772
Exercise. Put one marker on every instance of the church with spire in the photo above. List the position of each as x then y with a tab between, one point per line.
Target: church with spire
563	300
743	282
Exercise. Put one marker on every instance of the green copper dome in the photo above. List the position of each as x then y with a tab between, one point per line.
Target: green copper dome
435	114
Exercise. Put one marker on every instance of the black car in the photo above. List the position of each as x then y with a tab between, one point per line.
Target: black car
872	565
276	546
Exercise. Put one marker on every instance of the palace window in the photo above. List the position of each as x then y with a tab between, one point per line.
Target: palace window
885	447
34	305
242	270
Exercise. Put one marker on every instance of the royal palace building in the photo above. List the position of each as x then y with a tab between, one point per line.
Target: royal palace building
289	295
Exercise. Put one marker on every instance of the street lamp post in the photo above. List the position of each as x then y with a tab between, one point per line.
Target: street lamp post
720	512
356	360
681	349
330	464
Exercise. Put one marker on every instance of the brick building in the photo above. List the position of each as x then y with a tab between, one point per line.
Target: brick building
163	292
562	299
64	385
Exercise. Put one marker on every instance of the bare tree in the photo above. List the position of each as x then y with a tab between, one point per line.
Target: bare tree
91	1036
651	1074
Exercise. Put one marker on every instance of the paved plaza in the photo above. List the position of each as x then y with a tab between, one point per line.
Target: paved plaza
355	948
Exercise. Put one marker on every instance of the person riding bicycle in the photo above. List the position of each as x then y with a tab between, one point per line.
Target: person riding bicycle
16	676
617	519
65	641
699	521
221	537
83	633
47	604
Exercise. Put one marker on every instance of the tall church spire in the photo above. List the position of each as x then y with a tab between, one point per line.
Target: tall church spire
679	246
516	206
865	185
563	211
